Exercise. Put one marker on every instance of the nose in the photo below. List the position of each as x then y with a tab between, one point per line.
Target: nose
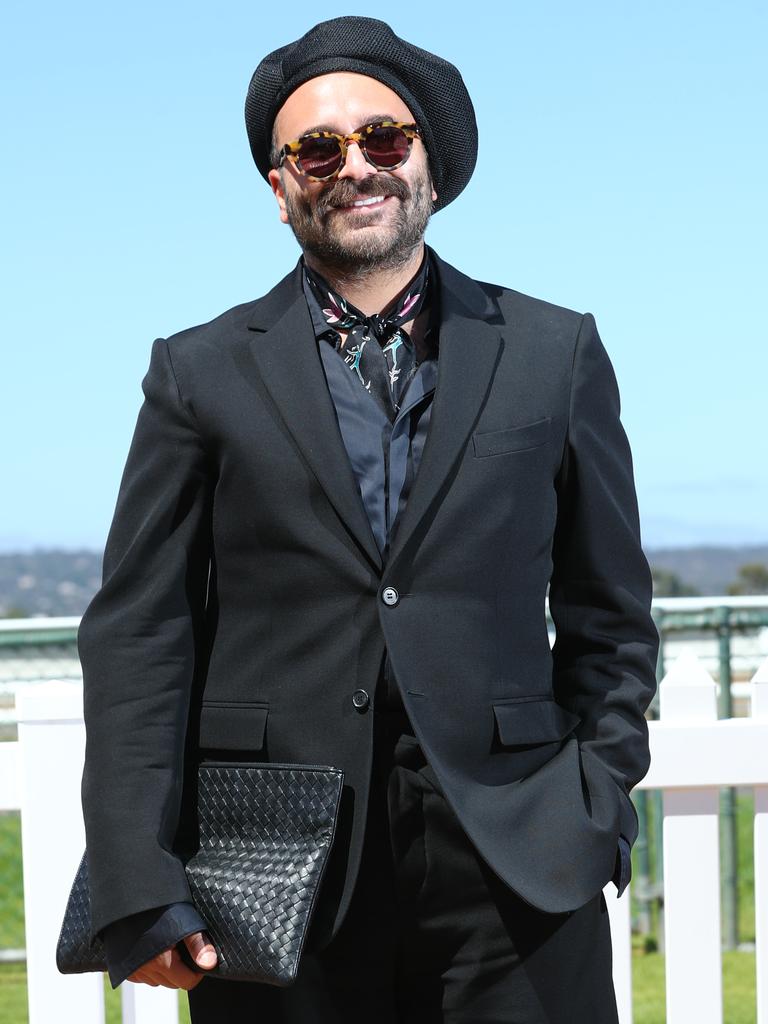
356	166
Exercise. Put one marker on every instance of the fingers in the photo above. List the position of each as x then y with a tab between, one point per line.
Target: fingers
141	976
166	969
201	950
145	976
163	960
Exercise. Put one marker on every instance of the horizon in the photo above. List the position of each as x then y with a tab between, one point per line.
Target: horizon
83	548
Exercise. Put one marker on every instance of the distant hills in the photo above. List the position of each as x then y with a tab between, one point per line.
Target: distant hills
61	582
48	582
708	569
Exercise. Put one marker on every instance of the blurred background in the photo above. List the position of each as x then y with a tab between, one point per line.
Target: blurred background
622	171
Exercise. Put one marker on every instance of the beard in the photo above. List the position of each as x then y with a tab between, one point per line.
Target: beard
349	244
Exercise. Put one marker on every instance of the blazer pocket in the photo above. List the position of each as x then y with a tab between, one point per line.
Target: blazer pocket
527	722
232	726
512	439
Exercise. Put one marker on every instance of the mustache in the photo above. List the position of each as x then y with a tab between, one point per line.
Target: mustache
345	192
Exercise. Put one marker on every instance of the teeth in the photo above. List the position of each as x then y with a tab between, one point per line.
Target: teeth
369	202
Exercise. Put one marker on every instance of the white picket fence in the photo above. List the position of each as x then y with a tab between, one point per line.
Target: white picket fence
692	755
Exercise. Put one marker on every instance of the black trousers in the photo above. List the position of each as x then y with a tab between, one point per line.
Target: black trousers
432	933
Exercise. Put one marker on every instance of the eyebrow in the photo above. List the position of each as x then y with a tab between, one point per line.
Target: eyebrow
371	119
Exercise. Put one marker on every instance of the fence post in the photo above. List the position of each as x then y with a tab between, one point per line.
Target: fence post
621	942
143	1004
759	709
51	751
687	696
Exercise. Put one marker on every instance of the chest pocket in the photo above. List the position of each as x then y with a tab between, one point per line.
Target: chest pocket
512	439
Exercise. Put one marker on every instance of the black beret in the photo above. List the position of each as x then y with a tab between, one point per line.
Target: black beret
431	87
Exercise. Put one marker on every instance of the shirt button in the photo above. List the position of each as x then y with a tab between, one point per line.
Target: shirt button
390	596
360	699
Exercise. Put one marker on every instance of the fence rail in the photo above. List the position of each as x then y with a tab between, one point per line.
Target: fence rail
693	754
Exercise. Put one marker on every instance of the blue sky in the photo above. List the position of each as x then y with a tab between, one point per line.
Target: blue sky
622	171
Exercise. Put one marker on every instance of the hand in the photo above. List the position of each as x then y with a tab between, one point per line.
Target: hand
169	970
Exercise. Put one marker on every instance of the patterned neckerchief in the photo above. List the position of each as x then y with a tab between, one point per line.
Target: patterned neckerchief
377	348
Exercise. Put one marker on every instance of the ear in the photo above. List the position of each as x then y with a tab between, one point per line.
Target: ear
276	182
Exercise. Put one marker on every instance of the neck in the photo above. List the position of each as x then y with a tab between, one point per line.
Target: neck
373	290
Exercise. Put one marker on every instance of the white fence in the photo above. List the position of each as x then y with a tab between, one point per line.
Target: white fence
692	755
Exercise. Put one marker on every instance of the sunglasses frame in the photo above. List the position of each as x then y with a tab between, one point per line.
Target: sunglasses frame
290	150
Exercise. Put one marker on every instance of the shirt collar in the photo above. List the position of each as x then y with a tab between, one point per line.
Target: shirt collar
325	331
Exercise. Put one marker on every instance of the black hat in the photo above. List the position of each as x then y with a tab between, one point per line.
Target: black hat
431	87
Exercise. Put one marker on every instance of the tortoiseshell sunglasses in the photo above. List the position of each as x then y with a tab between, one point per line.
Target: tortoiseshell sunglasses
320	156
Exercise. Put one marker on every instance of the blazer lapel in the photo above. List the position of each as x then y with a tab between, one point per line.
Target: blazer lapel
469	350
284	349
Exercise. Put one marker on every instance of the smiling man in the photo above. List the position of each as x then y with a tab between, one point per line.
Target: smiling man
364	222
340	514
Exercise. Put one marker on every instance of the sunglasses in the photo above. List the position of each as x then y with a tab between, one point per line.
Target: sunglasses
320	156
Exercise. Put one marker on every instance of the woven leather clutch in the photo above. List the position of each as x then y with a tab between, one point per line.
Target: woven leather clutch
265	833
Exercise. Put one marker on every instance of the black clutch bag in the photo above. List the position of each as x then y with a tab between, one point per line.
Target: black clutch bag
265	833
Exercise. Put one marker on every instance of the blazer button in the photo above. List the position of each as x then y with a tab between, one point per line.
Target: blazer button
390	596
360	699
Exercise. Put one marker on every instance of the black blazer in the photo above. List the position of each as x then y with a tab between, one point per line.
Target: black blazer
244	599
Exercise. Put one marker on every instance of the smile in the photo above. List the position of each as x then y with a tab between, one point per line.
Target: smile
362	203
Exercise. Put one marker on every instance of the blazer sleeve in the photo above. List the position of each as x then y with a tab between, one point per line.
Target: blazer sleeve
606	643
130	942
136	643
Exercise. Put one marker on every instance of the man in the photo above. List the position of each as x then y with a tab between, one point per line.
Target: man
340	512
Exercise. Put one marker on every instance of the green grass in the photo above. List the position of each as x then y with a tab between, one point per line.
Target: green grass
13	1002
745	806
11	883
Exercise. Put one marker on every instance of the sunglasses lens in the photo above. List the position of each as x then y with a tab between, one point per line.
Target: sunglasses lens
319	157
387	146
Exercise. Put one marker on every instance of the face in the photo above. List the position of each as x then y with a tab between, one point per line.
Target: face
348	238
